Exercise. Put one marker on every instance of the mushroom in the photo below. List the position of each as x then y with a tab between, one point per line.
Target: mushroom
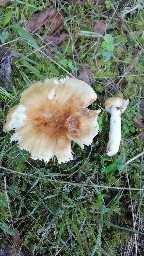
51	114
115	106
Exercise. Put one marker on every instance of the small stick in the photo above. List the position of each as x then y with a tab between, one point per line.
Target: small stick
130	67
135	157
8	200
73	183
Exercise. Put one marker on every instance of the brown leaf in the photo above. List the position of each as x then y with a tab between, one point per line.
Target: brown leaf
142	244
138	123
54	21
13	246
56	40
38	19
4	52
3	2
141	136
81	179
91	178
100	27
9	251
84	179
85	75
5	65
142	109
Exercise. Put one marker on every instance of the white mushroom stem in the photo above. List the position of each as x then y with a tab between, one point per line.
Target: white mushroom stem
115	106
115	132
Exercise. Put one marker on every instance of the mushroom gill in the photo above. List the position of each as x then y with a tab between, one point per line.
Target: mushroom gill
50	115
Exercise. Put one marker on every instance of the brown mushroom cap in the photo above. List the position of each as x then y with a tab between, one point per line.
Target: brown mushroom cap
50	114
116	102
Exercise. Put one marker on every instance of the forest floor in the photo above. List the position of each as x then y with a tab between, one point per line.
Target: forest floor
92	205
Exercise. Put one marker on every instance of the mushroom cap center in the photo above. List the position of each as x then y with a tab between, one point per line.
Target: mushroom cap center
55	122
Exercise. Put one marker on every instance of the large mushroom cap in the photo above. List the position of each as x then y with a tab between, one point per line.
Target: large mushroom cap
50	114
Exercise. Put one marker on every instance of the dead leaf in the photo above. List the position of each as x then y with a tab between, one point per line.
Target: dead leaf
54	21
141	136
13	246
85	179
142	109
91	178
5	65
81	179
142	244
56	40
38	19
3	2
9	251
4	52
138	123
85	75
100	27
51	18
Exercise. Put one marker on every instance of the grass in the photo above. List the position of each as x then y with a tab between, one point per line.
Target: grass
94	204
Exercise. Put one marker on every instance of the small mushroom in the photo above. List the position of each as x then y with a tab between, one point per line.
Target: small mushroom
115	106
51	114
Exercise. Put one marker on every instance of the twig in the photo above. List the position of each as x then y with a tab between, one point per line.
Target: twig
135	157
71	183
130	67
5	184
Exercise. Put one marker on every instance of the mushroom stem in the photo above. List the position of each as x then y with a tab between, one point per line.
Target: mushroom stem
115	132
115	106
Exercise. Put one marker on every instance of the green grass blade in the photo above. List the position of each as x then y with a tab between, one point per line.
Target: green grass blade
25	35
